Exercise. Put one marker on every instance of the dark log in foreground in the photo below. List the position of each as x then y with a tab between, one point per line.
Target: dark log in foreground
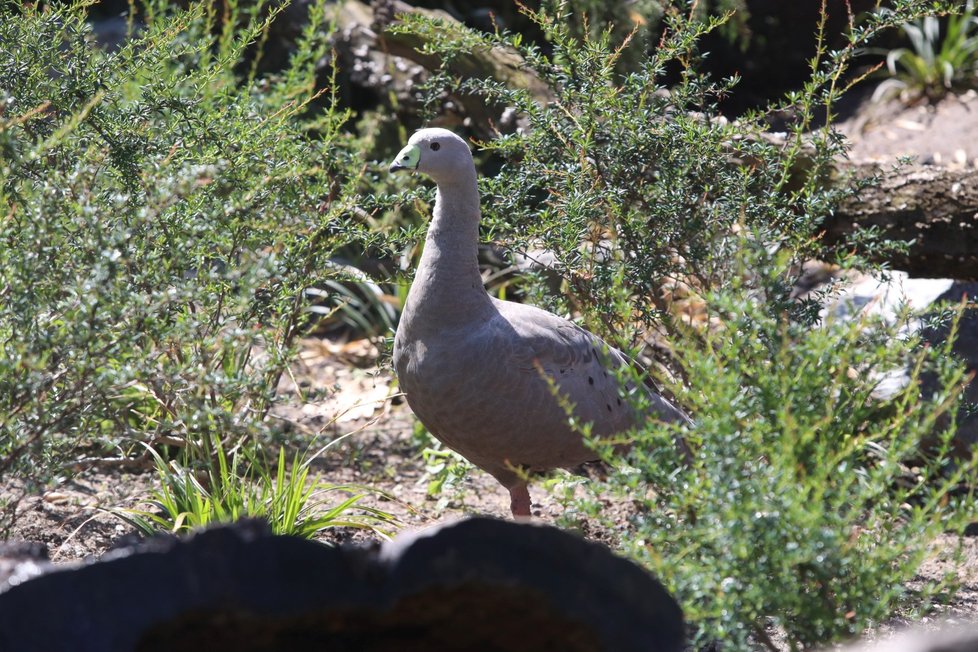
479	584
934	208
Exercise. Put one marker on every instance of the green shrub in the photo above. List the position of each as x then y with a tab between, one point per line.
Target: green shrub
811	502
162	218
801	514
631	185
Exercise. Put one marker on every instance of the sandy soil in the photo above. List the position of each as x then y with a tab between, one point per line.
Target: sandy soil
944	134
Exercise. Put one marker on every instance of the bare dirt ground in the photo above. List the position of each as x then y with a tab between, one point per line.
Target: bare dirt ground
345	397
944	134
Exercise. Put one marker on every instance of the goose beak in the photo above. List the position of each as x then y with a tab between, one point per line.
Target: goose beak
407	159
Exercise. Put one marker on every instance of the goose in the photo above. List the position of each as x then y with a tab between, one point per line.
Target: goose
484	375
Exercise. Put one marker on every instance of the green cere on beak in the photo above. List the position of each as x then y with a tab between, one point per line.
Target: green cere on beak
407	159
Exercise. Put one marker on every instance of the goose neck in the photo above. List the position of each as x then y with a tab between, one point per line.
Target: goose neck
448	277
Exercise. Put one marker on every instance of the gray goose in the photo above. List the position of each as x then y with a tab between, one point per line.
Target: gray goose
477	371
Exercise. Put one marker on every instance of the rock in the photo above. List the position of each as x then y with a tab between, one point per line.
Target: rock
478	584
868	295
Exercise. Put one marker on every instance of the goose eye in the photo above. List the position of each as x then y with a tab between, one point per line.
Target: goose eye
435	146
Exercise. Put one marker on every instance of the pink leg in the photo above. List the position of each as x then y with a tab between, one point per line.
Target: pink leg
519	500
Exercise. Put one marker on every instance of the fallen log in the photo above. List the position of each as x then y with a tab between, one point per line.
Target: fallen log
934	209
370	30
